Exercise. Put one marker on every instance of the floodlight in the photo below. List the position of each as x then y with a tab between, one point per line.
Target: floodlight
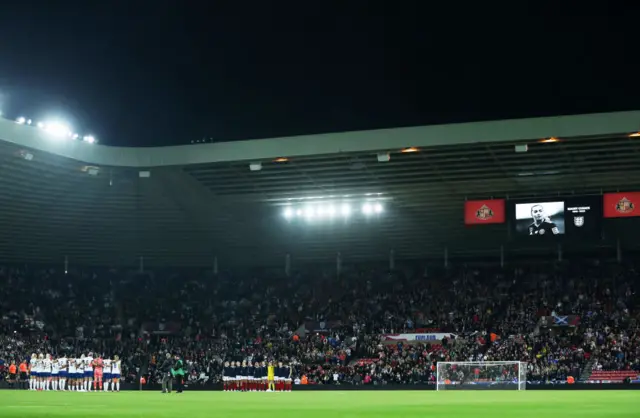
40	125
57	129
21	120
345	210
90	139
288	213
367	209
309	212
29	122
299	212
320	211
331	210
75	136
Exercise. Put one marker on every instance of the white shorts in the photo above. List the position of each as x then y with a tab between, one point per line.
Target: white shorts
238	377
277	379
225	378
288	379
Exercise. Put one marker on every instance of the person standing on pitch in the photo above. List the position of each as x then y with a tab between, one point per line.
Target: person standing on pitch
166	369
178	373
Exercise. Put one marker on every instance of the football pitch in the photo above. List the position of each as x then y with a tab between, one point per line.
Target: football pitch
334	404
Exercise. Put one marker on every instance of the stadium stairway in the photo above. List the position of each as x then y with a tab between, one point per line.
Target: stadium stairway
587	370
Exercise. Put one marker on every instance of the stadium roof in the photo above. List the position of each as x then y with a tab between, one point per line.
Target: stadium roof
89	202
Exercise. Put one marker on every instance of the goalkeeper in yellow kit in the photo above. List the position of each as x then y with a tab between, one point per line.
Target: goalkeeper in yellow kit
271	377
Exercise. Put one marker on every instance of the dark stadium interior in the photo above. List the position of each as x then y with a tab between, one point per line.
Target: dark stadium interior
151	261
363	206
186	215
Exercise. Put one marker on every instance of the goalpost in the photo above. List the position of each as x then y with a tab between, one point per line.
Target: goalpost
473	375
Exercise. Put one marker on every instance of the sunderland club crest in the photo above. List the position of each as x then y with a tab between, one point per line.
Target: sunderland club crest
484	213
625	206
578	221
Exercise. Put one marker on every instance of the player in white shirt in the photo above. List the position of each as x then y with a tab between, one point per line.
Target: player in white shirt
46	371
80	373
106	370
55	374
40	371
73	374
33	371
63	364
116	367
88	372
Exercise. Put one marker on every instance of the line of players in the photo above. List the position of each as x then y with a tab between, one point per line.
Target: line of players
259	377
74	374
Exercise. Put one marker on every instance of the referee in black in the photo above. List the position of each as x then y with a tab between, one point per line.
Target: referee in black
165	369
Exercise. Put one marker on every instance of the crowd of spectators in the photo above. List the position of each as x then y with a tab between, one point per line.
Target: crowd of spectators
329	327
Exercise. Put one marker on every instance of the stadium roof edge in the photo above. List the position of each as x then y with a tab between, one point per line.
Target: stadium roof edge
597	124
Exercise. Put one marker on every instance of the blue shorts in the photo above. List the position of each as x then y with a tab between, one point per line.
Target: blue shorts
35	374
88	374
55	375
63	373
45	375
74	375
115	375
106	376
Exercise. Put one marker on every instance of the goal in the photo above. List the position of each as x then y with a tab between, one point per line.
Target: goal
490	375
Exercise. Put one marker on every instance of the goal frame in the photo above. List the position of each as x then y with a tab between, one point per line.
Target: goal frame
522	370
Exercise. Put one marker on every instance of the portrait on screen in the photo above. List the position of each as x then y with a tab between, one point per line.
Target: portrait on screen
540	219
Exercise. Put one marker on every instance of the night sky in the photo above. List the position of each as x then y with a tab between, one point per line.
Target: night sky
145	73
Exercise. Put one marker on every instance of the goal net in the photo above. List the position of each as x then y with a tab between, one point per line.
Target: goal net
489	375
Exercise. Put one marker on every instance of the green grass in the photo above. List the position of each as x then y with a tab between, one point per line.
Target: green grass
365	404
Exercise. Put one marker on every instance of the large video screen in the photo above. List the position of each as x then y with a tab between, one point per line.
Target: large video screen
575	217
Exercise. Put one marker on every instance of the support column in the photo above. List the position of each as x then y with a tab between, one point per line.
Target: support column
559	252
392	260
446	257
287	265
66	264
338	264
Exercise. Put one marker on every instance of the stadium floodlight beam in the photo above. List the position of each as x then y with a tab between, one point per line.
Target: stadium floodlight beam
367	209
89	138
21	120
309	212
377	208
57	129
288	213
345	210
